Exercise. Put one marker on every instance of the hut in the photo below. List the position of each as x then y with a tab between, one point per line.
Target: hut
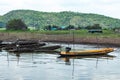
117	30
95	31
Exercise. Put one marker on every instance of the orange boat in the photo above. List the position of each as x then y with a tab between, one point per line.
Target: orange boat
87	52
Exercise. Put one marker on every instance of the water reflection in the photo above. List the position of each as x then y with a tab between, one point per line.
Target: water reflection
18	57
67	61
35	58
70	60
39	66
8	58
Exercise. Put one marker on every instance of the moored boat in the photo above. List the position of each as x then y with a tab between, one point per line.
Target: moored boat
87	52
54	47
35	49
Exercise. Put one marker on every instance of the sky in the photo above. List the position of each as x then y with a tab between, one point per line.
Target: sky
104	7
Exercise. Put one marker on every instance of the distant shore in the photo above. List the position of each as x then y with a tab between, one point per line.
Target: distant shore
84	40
106	41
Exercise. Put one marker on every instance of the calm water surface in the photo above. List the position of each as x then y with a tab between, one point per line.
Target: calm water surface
49	66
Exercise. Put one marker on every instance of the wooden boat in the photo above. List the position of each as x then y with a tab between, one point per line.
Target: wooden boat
54	47
22	50
27	42
87	52
34	49
28	46
32	45
48	51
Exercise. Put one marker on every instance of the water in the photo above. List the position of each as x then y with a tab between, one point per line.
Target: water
47	66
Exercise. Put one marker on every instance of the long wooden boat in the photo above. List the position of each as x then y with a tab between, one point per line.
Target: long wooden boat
87	52
34	49
12	46
54	47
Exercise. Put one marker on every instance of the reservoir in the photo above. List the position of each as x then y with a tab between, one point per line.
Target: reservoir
50	66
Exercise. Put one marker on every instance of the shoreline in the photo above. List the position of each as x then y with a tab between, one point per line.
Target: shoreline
86	43
109	42
104	41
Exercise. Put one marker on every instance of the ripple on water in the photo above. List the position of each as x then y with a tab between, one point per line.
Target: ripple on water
44	66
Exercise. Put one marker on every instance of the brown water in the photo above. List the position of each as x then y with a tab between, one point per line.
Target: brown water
47	66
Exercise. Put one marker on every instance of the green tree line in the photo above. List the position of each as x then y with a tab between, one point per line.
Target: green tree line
39	20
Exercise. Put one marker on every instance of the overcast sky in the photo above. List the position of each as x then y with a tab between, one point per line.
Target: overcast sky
103	7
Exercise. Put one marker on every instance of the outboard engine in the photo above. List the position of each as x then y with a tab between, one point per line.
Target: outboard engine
67	49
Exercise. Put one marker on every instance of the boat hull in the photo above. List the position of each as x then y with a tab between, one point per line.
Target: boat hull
103	51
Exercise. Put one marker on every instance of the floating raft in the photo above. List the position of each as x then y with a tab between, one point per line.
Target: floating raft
87	52
45	48
53	47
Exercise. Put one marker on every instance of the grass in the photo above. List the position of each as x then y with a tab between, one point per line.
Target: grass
83	33
77	33
2	29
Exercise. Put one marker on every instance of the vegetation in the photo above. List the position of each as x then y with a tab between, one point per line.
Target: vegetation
39	20
54	27
68	33
95	26
2	24
16	24
0	18
81	33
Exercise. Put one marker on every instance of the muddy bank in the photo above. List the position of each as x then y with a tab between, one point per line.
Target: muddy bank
107	41
85	40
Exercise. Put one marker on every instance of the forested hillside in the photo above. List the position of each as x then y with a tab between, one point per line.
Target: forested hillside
41	19
0	18
2	24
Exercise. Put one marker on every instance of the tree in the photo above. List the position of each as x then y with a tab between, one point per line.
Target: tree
95	26
51	27
70	27
16	24
2	24
48	27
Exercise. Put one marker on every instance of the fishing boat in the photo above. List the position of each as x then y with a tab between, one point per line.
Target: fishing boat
35	49
102	51
68	52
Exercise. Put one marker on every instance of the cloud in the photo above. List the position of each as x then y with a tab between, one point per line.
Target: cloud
45	5
104	7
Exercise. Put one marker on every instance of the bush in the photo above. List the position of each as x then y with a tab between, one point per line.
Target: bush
16	24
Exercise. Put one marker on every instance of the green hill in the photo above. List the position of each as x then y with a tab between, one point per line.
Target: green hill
2	24
0	18
40	19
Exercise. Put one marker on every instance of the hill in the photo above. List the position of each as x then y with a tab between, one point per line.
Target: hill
2	24
40	19
0	18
